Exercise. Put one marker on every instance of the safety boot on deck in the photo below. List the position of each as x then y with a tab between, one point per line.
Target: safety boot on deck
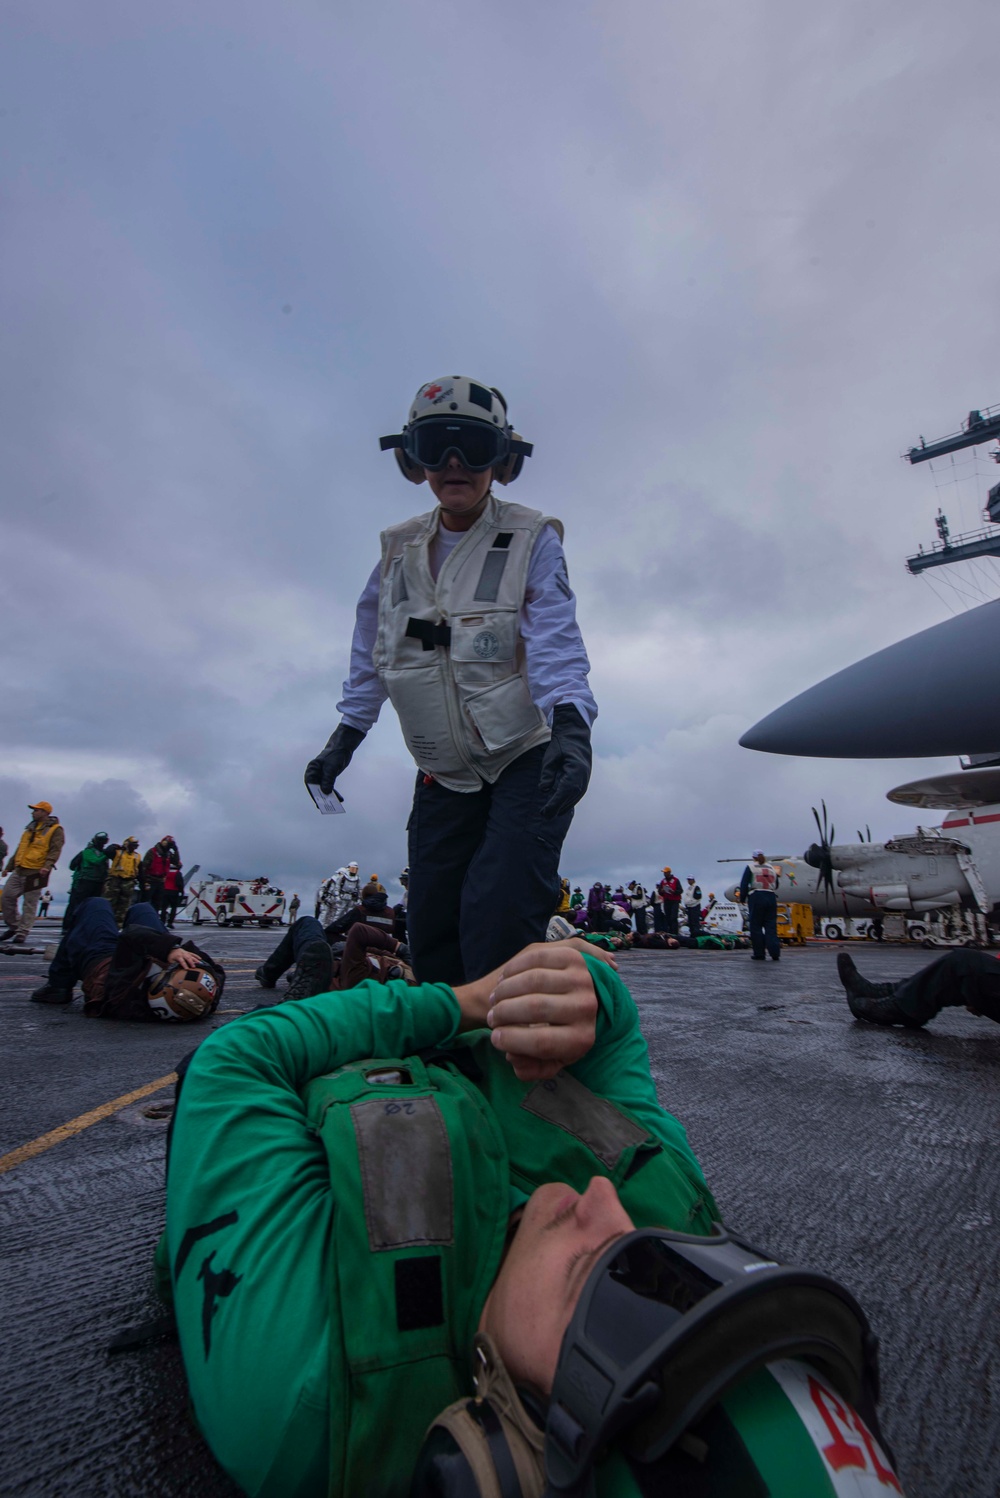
873	1002
313	971
49	995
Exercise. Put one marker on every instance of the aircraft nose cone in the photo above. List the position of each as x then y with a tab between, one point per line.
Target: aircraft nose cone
936	693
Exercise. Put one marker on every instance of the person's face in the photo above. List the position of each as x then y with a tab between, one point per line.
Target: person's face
37	815
459	492
560	1237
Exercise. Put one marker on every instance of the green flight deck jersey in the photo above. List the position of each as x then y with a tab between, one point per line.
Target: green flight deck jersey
342	1173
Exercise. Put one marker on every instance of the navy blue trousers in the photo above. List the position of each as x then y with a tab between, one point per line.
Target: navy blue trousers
93	934
299	934
959	977
484	873
764	922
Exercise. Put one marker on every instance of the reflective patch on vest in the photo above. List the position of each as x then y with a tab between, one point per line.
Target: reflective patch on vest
488	586
569	1105
406	1172
397	581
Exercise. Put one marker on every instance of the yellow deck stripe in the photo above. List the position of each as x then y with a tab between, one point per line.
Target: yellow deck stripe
77	1125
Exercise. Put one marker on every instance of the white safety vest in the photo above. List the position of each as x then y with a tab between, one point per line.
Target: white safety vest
449	652
765	878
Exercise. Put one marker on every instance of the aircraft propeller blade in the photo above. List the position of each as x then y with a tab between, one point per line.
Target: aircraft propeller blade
818	855
935	693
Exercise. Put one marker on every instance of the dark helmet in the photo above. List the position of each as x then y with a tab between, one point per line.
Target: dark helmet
690	1365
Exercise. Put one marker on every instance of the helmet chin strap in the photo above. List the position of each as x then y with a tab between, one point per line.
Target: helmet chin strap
498	1447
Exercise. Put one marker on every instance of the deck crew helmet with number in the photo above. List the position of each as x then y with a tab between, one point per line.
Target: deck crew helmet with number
183	994
458	415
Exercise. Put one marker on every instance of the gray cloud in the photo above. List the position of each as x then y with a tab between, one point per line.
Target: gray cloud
726	264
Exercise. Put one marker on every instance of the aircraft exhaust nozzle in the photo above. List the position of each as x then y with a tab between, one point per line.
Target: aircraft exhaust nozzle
951	897
890	896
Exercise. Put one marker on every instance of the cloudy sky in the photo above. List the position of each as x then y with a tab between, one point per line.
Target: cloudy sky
727	262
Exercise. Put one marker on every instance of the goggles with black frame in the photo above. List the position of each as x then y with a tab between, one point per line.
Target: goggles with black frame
668	1322
477	446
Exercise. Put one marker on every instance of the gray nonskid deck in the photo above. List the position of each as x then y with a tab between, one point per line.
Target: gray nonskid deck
863	1152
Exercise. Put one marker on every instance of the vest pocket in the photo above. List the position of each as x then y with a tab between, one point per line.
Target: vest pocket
503	713
488	639
420	699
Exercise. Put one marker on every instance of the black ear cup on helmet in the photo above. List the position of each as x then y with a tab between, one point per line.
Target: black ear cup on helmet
507	471
408	468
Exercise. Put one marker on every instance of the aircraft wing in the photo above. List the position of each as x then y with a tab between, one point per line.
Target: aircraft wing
937	692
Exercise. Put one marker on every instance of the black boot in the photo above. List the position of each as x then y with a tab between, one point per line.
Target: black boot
49	995
858	987
280	960
313	971
873	1002
269	972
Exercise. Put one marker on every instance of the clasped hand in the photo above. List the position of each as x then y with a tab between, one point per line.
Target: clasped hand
541	1007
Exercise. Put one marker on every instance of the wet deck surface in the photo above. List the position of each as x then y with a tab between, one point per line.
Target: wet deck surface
864	1152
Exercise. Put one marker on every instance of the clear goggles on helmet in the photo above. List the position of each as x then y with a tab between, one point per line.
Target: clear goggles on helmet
477	445
667	1322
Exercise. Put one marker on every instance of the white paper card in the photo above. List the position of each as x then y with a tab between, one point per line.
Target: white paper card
330	806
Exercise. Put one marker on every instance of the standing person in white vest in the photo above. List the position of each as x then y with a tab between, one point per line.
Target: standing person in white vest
468	624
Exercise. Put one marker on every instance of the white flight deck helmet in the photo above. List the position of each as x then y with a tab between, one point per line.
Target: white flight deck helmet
180	993
455	414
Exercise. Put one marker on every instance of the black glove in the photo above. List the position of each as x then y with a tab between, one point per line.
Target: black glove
566	765
340	747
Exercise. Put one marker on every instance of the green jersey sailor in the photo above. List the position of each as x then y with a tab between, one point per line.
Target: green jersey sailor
468	625
446	1241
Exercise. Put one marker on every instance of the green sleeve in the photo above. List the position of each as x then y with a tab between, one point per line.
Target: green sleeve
287	1045
250	1210
617	1068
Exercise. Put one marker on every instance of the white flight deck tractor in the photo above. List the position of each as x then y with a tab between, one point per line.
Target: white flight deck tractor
234	902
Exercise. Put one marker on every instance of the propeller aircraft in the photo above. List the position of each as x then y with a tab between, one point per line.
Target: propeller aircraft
931	869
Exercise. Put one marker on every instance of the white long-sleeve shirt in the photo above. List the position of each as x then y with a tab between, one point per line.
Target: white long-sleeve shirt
555	654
